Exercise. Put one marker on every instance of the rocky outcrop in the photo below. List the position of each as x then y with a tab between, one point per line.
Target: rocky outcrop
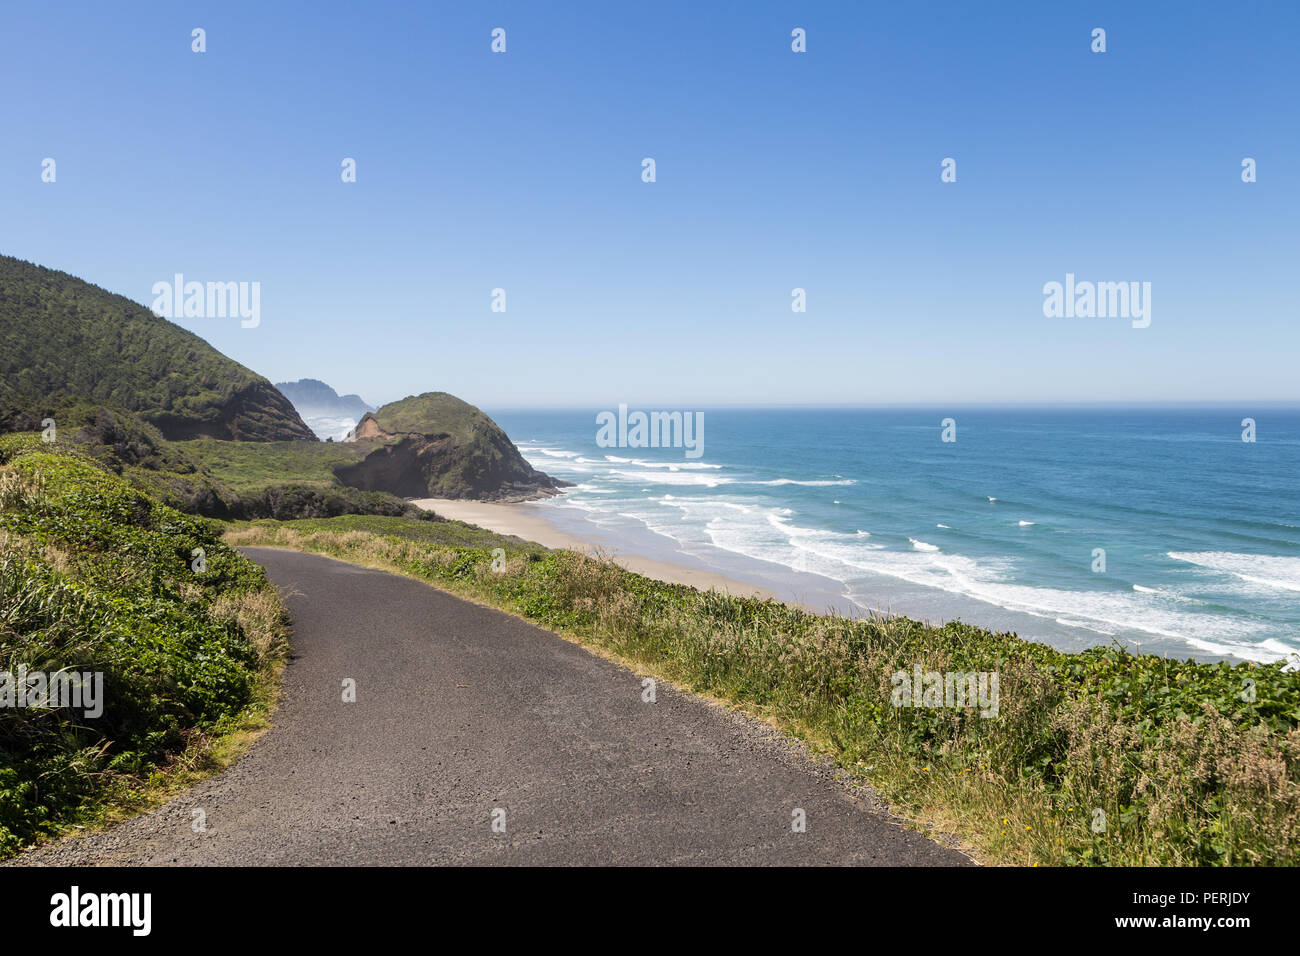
436	446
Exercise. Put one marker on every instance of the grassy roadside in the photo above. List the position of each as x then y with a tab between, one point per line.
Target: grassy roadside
438	531
1098	758
98	578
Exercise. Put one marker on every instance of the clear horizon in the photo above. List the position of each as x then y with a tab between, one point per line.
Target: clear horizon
775	171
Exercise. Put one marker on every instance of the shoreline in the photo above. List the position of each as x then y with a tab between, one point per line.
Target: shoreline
811	592
512	518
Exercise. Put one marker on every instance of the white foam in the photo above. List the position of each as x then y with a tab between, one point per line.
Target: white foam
1086	625
1167	595
670	465
843	557
558	464
780	521
1270	571
1025	524
671	478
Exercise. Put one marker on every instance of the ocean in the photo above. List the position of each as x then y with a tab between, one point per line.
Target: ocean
1158	528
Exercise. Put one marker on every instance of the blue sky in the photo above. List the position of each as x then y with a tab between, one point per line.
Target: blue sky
775	170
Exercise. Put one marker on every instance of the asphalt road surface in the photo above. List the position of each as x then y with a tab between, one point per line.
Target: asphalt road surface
468	722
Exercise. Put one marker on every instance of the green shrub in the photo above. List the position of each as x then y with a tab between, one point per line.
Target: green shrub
96	576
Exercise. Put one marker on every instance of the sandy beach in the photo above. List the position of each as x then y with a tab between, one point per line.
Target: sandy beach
523	521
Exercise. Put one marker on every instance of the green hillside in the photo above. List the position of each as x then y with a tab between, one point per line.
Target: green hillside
64	340
433	413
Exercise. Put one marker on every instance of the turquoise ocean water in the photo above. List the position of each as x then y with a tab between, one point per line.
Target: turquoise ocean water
858	509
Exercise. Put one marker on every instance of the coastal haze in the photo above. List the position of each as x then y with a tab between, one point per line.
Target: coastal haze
327	413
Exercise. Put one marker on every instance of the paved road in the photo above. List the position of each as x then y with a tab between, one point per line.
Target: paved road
460	711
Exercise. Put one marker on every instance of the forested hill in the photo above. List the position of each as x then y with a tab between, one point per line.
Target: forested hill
63	340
